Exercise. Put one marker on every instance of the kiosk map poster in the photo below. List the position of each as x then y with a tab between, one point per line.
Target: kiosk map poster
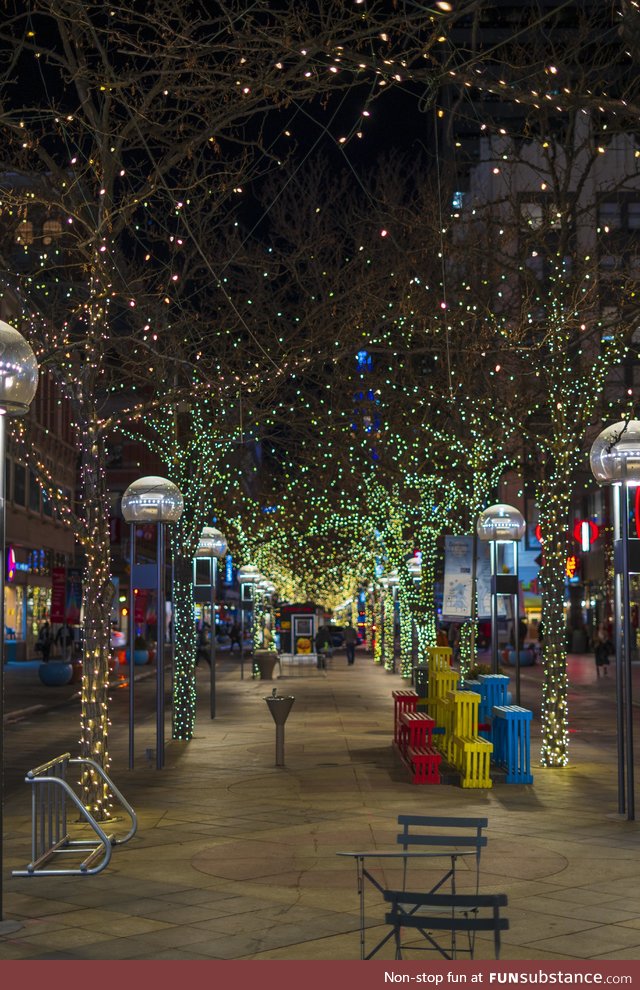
458	577
483	583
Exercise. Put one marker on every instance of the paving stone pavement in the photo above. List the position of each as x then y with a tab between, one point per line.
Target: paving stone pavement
236	858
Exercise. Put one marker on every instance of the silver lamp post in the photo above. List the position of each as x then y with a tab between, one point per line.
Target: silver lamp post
18	384
158	501
615	461
212	546
414	566
393	582
248	575
503	524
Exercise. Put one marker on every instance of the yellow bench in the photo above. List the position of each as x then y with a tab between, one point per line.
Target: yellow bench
438	658
441	682
471	756
466	705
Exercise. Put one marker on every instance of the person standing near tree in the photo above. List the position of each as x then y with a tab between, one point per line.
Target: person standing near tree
603	650
350	641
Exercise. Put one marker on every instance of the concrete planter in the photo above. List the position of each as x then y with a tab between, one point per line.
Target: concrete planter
140	657
265	661
56	673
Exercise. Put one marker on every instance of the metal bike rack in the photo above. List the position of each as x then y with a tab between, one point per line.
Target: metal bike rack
49	831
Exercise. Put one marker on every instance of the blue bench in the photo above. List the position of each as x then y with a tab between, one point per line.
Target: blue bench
512	743
492	689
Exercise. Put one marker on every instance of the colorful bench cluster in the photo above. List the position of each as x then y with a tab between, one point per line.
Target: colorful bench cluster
453	726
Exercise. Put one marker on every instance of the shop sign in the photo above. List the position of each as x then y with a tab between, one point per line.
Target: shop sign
58	594
573	567
74	595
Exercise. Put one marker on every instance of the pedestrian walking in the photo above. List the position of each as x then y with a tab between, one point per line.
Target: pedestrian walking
64	639
350	641
603	650
44	642
234	636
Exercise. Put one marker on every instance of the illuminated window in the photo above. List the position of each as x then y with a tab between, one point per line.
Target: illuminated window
50	230
24	233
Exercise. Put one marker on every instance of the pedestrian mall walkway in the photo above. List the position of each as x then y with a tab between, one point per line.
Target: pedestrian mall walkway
236	858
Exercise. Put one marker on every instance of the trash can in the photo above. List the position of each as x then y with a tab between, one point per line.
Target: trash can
279	705
422	679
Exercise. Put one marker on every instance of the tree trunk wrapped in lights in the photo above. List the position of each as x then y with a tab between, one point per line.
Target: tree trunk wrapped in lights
554	501
388	634
97	599
377	625
406	629
371	620
185	646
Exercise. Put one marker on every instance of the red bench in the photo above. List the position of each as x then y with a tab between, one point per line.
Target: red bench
416	729
426	764
403	701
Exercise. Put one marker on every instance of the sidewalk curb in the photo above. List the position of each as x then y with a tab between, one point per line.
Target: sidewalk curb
19	713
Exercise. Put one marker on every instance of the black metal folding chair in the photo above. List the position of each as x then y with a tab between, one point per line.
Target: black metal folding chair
438	832
429	913
425	841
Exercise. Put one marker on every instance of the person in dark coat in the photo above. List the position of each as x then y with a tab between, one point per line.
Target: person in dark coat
234	636
603	650
350	641
44	642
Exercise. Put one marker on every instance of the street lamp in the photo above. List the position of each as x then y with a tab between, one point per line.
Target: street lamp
503	524
615	461
158	501
414	566
394	581
211	547
18	384
247	575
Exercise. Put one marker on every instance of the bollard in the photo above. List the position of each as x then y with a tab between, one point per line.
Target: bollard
279	706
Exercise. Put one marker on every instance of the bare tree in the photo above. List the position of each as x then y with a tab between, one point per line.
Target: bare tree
117	124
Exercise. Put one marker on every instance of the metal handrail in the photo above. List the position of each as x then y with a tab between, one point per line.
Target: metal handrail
49	835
